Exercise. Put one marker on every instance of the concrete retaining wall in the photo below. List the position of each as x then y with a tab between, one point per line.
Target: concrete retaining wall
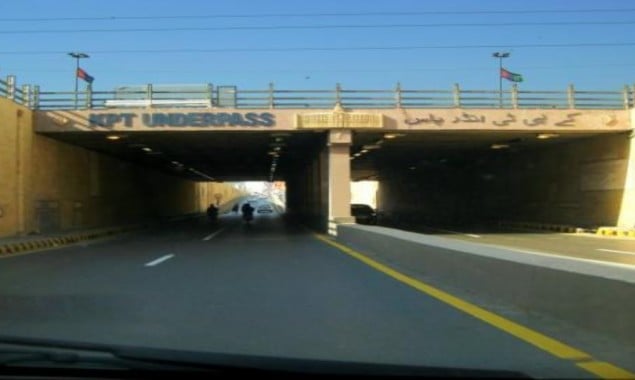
591	296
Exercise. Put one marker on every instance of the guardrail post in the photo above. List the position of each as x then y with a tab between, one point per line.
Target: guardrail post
456	95
26	95
398	95
36	97
338	95
514	96
626	94
571	96
270	98
149	93
11	87
89	96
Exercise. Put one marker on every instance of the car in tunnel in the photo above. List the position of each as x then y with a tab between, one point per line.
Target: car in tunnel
363	213
264	209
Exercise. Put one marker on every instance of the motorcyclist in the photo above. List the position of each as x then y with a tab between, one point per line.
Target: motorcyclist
248	212
212	212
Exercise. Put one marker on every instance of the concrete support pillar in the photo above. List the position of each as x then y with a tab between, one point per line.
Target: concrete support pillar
627	210
339	179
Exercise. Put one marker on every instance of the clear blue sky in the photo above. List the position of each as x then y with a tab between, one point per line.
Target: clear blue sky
31	50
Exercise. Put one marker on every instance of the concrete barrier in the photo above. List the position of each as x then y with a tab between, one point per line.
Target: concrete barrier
46	242
589	295
35	243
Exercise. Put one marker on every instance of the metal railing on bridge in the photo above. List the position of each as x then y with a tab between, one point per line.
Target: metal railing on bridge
209	96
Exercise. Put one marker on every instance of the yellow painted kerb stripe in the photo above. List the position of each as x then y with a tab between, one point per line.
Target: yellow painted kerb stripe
552	346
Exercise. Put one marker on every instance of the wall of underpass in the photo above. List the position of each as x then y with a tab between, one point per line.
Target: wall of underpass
47	185
430	196
579	183
307	190
582	182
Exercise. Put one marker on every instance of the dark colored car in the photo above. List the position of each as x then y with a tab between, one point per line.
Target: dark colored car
364	214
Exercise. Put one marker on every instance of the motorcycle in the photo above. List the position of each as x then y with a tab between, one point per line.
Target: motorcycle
248	213
212	214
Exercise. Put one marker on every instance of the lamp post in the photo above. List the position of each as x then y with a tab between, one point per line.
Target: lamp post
77	56
500	55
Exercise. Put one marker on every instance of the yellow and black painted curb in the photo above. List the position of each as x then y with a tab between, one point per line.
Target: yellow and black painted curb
542	226
601	231
616	232
62	240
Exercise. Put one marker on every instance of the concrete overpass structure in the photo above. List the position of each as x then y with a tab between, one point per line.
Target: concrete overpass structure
74	160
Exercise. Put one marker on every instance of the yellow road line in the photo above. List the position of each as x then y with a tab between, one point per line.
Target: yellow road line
550	345
606	370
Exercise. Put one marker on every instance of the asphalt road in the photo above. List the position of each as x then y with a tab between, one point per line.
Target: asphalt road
615	250
269	289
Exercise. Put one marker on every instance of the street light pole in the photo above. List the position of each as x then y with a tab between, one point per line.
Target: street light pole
500	56
77	56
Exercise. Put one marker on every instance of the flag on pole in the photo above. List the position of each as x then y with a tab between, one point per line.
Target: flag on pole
511	76
84	75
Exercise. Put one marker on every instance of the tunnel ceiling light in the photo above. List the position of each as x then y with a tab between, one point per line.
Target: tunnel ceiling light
544	136
499	146
146	149
370	147
113	137
364	151
393	135
412	167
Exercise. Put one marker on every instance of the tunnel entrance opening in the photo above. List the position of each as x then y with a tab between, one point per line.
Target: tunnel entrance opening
458	179
206	155
442	178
